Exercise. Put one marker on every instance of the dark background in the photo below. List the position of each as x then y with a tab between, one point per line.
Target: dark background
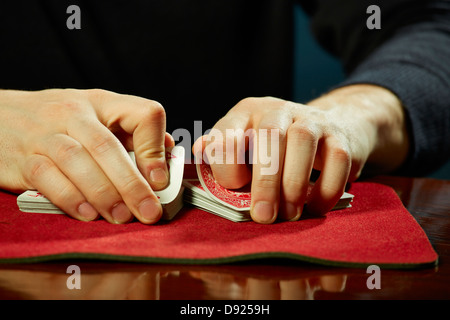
316	71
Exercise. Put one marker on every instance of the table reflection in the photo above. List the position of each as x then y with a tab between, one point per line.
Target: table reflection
427	199
154	282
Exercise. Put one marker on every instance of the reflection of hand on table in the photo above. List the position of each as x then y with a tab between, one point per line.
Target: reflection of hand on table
111	285
251	288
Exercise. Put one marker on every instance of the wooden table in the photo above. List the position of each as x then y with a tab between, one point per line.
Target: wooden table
428	200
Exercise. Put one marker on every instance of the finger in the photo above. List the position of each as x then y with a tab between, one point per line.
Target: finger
114	161
149	146
302	140
127	140
79	167
198	146
269	149
226	147
45	177
169	142
145	120
333	177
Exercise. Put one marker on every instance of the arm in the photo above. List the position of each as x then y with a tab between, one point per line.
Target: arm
379	114
409	56
390	114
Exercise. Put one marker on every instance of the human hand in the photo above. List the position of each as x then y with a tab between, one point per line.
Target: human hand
71	145
336	134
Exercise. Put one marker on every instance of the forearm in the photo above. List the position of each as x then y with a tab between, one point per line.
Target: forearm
420	78
410	56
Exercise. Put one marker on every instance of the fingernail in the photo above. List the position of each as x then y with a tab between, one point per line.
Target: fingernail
264	212
158	176
292	212
120	213
87	211
150	210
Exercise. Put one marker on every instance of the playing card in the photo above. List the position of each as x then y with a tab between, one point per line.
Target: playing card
171	197
206	194
197	196
239	199
34	201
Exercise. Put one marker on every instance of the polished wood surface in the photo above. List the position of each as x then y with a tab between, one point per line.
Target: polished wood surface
428	200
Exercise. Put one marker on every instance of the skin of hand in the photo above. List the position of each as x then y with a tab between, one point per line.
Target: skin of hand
338	134
71	145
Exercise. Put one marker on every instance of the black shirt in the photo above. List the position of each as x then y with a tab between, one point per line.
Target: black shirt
200	57
197	58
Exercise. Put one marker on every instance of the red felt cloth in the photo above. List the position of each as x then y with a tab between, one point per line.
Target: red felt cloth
376	230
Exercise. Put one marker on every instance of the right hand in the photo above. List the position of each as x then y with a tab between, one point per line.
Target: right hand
71	145
339	134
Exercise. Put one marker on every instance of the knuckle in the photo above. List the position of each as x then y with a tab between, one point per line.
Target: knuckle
330	192
97	93
258	100
271	127
153	152
246	103
340	154
67	150
266	183
153	111
37	167
302	132
130	184
157	107
258	103
249	100
62	196
98	96
102	191
102	143
293	183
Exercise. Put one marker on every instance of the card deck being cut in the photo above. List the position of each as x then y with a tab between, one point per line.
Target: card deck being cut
171	197
206	194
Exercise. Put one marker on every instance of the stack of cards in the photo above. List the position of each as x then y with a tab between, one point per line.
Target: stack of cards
171	197
205	193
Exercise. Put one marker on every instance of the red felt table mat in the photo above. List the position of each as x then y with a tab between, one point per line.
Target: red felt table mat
376	230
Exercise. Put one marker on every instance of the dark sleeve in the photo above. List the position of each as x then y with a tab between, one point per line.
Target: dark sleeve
409	55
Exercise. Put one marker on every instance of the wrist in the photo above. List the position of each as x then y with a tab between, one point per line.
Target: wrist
378	116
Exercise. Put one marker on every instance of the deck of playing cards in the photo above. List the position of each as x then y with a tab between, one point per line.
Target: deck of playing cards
205	193
171	197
